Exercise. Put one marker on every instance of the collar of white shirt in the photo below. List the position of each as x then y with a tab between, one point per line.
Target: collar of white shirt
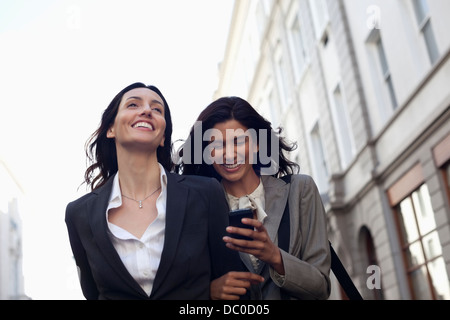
141	257
254	200
115	199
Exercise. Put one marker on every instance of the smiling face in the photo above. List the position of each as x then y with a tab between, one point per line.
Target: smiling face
234	153
139	120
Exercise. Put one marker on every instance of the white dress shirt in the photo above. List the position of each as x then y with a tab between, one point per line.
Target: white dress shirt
141	256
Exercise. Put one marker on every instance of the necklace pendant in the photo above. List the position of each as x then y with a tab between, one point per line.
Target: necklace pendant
140	204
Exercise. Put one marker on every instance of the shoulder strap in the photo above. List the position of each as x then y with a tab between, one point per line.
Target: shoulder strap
343	277
336	265
284	231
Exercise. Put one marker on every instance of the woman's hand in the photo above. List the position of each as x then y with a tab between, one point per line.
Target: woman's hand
232	285
261	246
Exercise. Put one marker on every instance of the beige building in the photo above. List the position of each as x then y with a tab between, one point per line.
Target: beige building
363	87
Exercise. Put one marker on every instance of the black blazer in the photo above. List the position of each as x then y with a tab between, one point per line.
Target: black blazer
193	253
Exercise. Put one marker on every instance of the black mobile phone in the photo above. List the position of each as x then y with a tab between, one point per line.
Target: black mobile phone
235	217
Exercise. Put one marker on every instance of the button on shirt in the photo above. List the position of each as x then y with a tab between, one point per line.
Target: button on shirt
141	256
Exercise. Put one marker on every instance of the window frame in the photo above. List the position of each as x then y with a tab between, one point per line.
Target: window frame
408	186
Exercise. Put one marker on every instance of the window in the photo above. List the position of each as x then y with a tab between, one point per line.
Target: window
273	108
343	127
422	250
320	165
386	73
281	77
441	155
261	17
298	49
319	12
419	240
249	52
268	104
424	21
383	84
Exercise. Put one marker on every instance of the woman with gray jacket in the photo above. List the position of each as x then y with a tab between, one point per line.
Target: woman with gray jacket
232	142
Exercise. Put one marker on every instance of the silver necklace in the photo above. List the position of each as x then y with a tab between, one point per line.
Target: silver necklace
140	201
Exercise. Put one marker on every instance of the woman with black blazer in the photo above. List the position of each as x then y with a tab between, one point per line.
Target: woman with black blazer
144	232
247	156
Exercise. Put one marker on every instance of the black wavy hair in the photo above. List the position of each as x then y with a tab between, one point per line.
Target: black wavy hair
228	108
101	151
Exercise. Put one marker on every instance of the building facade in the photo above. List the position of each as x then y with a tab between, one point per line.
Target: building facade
11	275
362	87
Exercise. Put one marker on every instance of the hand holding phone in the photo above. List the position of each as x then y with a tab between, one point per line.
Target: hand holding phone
235	220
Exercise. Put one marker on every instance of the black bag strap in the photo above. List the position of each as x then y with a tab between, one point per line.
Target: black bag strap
336	265
344	279
284	232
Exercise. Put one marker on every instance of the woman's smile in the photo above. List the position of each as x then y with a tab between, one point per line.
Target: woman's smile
231	168
143	125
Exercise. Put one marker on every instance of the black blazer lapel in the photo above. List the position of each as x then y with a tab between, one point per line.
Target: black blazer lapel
96	209
177	196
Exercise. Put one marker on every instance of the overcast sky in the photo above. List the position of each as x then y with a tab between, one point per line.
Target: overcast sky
61	63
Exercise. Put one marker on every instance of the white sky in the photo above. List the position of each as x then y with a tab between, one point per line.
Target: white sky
61	63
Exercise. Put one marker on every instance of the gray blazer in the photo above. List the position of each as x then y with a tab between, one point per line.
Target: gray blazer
307	264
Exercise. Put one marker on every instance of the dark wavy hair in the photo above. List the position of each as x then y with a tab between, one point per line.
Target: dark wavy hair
228	108
101	151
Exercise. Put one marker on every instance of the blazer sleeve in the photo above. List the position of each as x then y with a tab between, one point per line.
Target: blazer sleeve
307	267
223	259
87	282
